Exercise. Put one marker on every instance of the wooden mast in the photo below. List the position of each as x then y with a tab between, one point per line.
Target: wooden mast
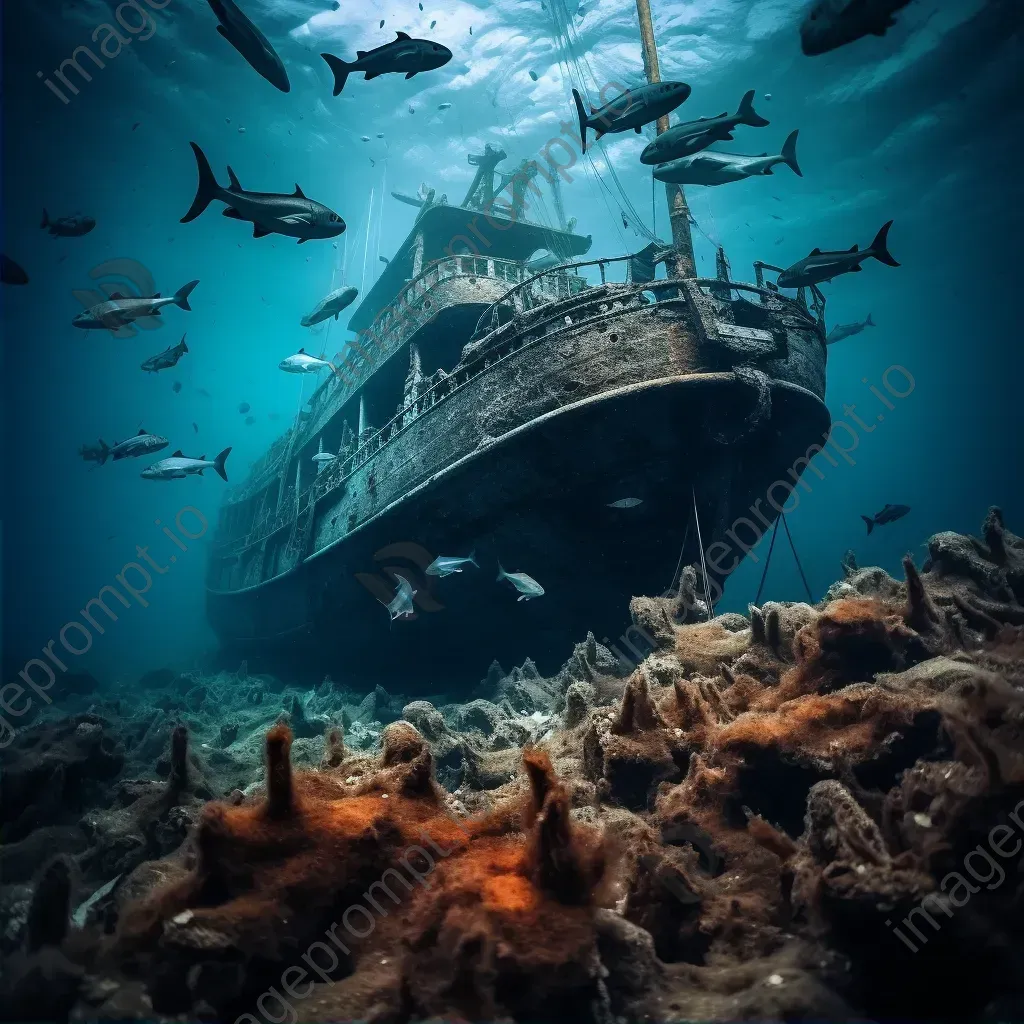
678	211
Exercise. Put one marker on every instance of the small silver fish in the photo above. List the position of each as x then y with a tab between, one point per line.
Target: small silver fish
626	503
527	586
445	566
401	605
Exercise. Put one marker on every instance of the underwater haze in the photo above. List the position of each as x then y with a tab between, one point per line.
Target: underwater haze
921	126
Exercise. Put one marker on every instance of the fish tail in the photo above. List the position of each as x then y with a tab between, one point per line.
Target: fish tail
870	522
46	219
184	347
104	451
584	122
880	247
472	558
208	189
748	115
501	574
869	322
182	294
218	463
789	153
341	71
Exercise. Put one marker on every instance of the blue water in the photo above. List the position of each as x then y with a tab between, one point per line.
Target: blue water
922	126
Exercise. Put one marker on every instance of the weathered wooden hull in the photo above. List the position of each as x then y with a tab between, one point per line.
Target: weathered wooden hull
520	461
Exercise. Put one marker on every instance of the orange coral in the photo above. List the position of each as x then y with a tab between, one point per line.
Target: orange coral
271	878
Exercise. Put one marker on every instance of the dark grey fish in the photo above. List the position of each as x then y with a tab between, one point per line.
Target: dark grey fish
250	420
244	407
11	272
824	266
176	387
843	331
68	227
120	310
889	514
166	359
250	42
95	452
833	23
141	444
294	216
632	110
403	54
691	137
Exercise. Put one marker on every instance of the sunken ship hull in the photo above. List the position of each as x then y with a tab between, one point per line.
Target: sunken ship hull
550	399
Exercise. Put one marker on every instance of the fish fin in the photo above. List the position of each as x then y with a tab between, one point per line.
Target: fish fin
747	114
815	252
360	54
869	322
156	295
336	316
521	597
218	463
298	193
768	171
223	34
411	74
184	347
582	114
302	351
870	522
142	431
202	458
199	472
340	68
177	455
854	248
208	189
402	35
182	294
637	129
230	211
880	247
857	269
235	183
259	232
789	154
156	312
116	295
370	75
301	240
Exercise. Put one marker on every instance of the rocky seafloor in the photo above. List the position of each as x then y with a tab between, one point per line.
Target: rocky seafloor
814	812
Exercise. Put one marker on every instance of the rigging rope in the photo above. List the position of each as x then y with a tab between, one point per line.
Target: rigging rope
767	562
796	557
703	564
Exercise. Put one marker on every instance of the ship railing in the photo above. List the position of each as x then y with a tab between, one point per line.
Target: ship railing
461	376
565	288
769	297
396	318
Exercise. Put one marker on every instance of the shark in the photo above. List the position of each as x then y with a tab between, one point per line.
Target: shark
713	168
822	266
